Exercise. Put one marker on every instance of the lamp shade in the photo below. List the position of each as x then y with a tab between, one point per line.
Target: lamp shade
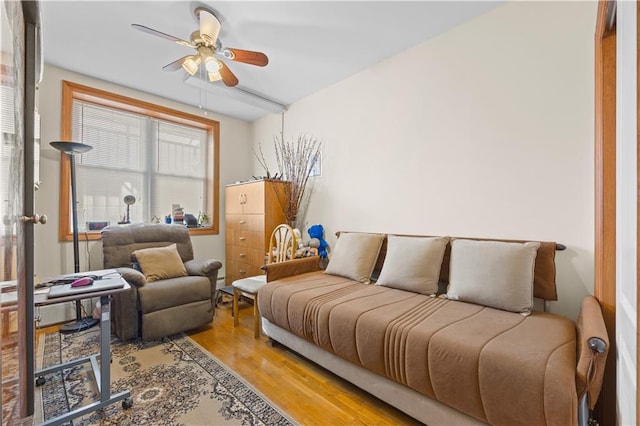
71	148
214	76
191	64
212	64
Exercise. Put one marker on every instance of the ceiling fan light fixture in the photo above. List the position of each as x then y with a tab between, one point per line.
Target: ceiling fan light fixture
204	41
212	64
191	64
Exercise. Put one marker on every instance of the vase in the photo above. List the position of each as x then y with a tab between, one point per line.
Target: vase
292	222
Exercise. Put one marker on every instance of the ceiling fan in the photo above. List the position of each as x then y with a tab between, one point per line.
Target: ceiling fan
208	49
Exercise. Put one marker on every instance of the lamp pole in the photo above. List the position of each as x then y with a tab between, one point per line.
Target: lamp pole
74	214
71	149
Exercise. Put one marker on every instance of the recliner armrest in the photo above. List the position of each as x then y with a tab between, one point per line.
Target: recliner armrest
206	268
593	346
124	309
203	267
132	276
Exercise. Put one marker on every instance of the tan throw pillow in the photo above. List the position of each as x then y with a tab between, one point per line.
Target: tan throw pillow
413	263
493	273
355	255
158	263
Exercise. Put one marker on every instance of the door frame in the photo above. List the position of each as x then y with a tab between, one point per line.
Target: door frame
605	195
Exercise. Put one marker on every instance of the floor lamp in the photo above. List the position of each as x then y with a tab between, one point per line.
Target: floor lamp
71	149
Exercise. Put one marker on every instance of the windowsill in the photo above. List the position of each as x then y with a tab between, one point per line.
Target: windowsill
95	235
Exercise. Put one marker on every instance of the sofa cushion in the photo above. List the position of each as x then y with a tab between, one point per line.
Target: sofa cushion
160	263
544	281
493	273
354	255
413	263
173	292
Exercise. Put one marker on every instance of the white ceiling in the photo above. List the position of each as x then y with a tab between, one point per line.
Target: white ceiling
310	45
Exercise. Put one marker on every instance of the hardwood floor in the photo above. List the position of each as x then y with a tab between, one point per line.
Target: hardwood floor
305	391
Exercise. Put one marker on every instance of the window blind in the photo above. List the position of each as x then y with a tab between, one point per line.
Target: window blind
159	162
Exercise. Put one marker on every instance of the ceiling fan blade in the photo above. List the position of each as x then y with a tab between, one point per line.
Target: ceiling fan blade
246	56
175	65
209	26
161	34
228	77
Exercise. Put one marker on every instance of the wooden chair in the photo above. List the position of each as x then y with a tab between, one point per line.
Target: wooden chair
282	246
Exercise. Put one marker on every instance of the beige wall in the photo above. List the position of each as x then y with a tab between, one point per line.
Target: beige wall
53	257
486	130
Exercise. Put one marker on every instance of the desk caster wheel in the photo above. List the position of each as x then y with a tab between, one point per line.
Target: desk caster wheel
127	403
40	381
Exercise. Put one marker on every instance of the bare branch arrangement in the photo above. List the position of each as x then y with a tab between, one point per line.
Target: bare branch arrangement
295	161
263	162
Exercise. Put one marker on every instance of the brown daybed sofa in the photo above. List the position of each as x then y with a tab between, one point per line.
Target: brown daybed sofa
442	361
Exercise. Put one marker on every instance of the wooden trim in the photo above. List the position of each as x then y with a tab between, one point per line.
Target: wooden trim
64	232
605	198
114	100
71	91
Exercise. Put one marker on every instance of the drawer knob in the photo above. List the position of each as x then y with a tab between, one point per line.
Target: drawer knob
242	255
243	238
242	222
242	272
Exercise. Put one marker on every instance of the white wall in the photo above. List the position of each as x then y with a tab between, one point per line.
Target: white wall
53	257
486	130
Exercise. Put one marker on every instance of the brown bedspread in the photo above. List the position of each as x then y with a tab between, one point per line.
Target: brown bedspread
500	367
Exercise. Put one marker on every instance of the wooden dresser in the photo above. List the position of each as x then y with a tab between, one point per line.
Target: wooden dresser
252	211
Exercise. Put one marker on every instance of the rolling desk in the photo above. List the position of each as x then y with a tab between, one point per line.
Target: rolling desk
101	372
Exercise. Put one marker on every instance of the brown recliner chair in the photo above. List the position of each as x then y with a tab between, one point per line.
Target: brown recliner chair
151	310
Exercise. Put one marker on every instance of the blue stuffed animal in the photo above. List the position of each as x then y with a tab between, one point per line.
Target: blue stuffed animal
317	232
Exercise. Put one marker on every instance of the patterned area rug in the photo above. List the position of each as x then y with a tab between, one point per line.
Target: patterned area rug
172	381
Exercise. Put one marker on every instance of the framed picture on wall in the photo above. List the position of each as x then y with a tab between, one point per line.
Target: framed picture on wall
315	165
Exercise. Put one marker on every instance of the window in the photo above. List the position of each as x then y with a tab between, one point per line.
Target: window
159	156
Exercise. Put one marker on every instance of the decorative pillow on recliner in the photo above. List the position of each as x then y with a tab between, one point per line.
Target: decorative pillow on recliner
413	263
355	255
159	263
493	273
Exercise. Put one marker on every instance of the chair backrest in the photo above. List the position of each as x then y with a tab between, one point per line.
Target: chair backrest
282	245
119	241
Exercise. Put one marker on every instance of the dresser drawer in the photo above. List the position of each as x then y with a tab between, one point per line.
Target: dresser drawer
248	255
242	238
249	222
237	270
